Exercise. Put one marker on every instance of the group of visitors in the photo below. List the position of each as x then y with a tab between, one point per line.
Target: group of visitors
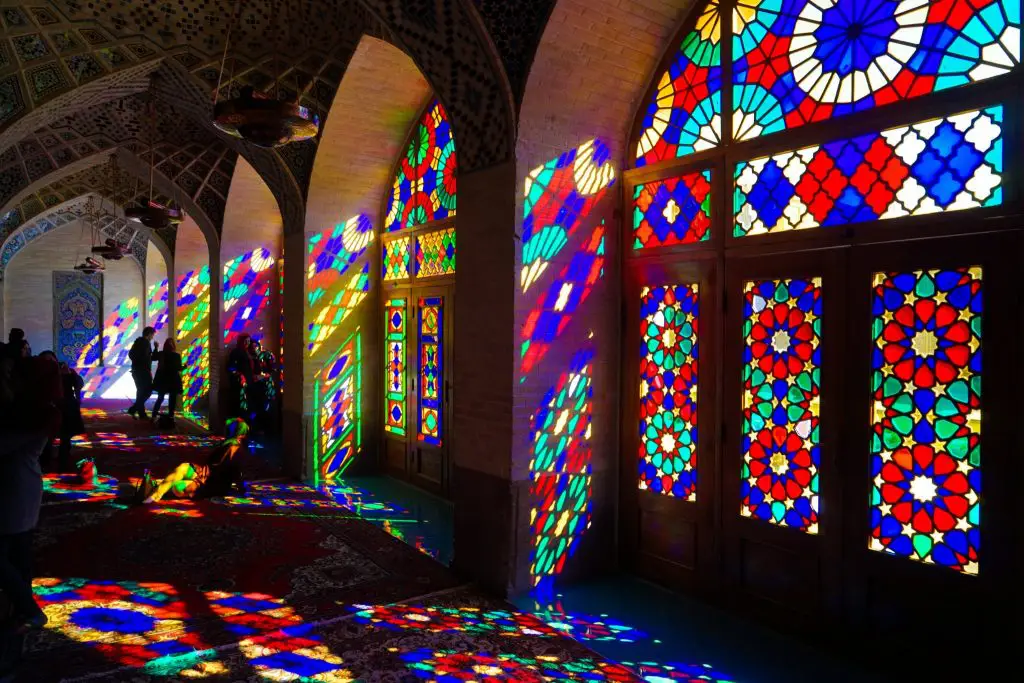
167	381
252	374
39	402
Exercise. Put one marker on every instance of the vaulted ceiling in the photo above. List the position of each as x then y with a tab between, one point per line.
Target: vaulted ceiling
77	78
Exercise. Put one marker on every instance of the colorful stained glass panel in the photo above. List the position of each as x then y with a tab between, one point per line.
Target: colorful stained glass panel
431	369
672	211
338	403
435	253
930	167
397	258
686	113
424	187
799	61
668	390
781	394
395	390
925	449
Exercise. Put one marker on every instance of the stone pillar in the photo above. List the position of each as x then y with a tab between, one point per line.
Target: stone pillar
486	500
294	350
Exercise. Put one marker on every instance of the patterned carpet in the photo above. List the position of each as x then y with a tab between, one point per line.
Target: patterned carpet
283	584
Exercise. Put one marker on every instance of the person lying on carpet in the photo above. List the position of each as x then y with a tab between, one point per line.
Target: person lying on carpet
221	473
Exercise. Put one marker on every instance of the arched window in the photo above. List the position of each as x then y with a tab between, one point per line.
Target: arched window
747	152
418	272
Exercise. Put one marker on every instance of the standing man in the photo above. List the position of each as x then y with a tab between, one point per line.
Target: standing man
141	356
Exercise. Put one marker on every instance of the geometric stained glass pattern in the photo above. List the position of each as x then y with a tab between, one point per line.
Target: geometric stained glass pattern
435	253
330	255
556	199
395	391
424	186
926	385
781	395
337	401
247	286
672	211
929	167
193	336
156	305
431	368
668	390
686	113
799	61
561	471
397	258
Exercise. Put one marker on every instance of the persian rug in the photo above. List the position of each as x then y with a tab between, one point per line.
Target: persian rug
77	310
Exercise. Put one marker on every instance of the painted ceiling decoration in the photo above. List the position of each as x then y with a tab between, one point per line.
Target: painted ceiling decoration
90	207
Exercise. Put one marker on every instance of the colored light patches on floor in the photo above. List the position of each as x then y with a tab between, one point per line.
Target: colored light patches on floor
601	629
289	657
927	416
560	470
555	307
450	665
468	620
157	299
130	623
118	441
248	280
66	488
935	166
338	302
337	405
558	197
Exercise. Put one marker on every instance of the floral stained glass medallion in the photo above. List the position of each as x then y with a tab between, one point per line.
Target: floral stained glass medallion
668	390
801	61
926	384
781	402
685	115
929	167
424	186
672	211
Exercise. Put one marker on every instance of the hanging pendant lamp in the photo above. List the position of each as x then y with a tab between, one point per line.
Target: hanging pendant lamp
258	118
153	215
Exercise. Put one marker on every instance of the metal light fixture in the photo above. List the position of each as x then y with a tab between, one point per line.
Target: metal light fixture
153	215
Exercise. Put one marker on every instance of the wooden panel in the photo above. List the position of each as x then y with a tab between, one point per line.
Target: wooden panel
666	538
394	456
779	575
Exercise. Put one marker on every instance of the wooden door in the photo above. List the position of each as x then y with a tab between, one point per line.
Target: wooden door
428	464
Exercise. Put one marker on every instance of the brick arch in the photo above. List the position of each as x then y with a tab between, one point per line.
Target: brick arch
380	97
448	42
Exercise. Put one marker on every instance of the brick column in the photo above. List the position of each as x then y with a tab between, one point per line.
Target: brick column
294	350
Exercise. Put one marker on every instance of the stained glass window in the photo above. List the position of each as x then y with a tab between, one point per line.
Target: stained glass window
686	114
435	253
934	166
424	185
338	404
668	390
798	61
672	211
561	470
557	305
557	198
781	390
431	368
925	451
394	370
397	258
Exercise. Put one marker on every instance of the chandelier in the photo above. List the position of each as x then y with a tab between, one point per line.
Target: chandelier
152	214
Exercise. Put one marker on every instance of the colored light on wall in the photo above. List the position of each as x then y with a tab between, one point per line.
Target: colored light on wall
396	389
555	307
925	449
557	197
685	115
804	61
781	393
672	211
196	375
119	330
193	336
669	317
935	166
337	401
247	292
435	253
193	301
330	255
431	370
424	188
560	469
157	297
397	258
331	314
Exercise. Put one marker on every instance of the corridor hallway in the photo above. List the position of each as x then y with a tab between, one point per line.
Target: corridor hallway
284	584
